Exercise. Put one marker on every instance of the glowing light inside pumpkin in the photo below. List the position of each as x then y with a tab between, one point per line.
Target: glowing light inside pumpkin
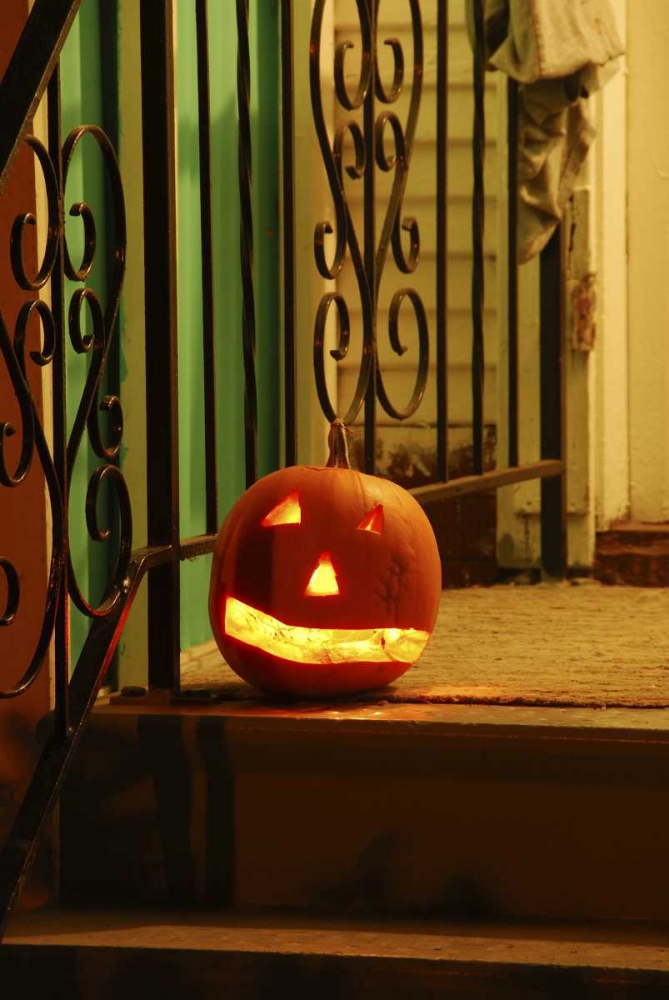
323	580
373	521
300	644
287	511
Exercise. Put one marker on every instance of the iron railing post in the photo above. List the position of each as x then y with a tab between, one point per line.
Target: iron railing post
553	501
160	276
512	276
245	175
287	112
442	241
207	238
478	221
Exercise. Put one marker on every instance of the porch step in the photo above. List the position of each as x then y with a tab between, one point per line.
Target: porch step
635	553
448	811
105	955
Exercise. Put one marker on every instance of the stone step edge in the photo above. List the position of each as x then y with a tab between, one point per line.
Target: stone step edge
378	718
602	948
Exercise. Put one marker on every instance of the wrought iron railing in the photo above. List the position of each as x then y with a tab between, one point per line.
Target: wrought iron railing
34	71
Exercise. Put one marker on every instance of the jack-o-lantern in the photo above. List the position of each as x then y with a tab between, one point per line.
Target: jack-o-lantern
325	581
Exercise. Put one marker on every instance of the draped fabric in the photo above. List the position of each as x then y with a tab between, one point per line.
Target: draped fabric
560	52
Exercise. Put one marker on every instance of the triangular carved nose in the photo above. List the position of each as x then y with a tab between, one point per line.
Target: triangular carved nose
323	580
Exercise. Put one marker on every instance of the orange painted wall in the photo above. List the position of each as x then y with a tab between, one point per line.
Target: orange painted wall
22	510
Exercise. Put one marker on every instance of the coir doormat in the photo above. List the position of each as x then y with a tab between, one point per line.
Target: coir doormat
578	644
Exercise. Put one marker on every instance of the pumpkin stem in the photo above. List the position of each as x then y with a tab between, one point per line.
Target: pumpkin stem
338	445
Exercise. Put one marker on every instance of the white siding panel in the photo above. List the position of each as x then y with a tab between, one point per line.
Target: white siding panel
459	332
399	386
394	14
460	60
421	181
459	223
424	280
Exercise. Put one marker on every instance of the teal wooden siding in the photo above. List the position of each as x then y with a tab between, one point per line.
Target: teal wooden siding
94	55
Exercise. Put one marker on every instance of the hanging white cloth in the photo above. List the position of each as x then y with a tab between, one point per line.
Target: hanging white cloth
560	51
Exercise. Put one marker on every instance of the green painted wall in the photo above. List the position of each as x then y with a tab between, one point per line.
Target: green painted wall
93	76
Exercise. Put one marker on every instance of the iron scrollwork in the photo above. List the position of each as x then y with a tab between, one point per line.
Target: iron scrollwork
97	343
388	146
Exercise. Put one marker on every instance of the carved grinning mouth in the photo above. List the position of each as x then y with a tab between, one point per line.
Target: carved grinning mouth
302	644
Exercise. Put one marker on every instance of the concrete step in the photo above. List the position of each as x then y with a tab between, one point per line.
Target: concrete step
104	955
434	810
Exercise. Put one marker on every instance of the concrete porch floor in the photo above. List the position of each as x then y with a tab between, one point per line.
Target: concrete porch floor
577	643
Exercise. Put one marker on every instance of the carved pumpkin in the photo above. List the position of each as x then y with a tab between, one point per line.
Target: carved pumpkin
325	581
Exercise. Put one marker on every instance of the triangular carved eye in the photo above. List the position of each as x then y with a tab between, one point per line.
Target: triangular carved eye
373	521
287	511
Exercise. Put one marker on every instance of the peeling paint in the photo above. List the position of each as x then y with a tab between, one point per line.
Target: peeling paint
584	312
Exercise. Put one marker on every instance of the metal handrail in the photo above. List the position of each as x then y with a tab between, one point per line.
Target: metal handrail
29	71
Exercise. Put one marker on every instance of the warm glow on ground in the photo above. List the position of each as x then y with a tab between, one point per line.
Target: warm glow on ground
323	580
321	645
287	511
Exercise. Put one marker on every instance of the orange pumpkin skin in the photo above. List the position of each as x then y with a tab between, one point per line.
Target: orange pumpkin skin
386	579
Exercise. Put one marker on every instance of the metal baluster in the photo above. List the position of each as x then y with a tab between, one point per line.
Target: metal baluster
246	241
208	332
553	500
512	258
478	211
442	241
160	258
369	334
287	112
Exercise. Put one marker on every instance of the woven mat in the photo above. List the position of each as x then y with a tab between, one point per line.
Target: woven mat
566	644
